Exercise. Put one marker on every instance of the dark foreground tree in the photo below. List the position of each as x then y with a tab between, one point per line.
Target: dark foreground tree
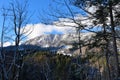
109	7
3	71
17	17
104	14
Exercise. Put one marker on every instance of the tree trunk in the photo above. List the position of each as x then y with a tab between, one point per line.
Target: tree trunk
107	63
114	40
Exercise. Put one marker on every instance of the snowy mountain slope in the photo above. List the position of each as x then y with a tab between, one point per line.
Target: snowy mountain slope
58	40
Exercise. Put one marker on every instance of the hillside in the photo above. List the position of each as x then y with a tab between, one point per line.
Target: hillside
57	40
64	42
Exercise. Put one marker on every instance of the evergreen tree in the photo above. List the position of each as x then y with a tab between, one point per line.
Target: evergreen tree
106	9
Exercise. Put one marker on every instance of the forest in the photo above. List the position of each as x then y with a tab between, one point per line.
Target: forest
97	57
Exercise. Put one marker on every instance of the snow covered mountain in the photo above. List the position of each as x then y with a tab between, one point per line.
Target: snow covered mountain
58	40
60	43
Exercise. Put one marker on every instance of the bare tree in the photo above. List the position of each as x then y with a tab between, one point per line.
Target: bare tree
18	15
3	74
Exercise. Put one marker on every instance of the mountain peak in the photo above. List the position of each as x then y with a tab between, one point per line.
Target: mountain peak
57	40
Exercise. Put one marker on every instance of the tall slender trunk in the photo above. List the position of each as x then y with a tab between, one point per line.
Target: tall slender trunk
79	42
106	50
107	63
80	48
114	40
2	55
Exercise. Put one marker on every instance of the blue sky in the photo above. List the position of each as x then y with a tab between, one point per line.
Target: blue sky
35	9
35	6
